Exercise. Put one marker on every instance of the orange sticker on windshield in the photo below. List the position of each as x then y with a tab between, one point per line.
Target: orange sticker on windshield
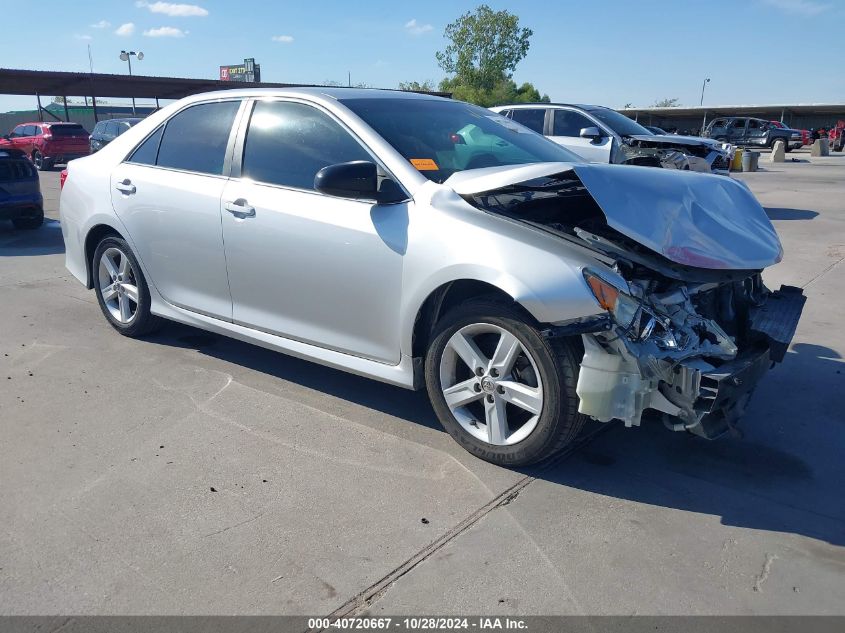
424	164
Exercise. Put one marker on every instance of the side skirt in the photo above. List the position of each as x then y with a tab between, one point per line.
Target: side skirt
401	375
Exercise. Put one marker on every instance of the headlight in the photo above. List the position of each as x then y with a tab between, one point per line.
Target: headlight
621	305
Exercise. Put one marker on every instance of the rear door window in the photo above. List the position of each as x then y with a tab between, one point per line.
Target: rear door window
532	118
195	139
147	152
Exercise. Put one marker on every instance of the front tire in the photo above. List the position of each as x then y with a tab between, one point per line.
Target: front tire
121	288
501	390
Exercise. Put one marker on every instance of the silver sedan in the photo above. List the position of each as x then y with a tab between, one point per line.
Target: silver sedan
425	242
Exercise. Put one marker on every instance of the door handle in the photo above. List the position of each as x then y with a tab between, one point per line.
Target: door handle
126	187
240	208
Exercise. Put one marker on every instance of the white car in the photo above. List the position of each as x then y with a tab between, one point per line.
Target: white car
602	135
430	243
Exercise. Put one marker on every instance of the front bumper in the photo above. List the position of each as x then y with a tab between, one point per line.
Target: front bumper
693	393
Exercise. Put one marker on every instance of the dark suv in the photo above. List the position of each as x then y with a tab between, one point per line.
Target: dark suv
48	143
20	191
750	132
106	131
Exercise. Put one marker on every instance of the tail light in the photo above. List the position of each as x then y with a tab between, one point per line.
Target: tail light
62	179
47	136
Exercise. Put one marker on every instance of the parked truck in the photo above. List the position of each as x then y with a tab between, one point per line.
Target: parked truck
751	132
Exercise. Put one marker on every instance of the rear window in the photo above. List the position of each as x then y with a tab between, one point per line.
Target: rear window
67	130
12	169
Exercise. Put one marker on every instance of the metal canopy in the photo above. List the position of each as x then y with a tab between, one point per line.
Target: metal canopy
738	110
45	82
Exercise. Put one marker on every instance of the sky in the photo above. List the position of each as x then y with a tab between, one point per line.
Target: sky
607	52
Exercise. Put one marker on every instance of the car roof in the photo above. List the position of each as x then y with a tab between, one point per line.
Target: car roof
546	104
129	119
331	92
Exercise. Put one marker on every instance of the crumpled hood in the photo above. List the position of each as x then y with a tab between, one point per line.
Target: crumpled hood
672	139
668	139
692	219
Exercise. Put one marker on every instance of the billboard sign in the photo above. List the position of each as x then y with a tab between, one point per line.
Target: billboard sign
247	71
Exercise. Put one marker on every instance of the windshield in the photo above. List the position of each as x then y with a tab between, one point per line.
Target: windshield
619	123
441	137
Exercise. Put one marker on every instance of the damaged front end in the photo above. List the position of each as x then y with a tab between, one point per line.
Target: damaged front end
674	152
631	152
691	351
688	327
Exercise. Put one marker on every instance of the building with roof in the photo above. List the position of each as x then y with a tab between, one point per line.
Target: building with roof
693	119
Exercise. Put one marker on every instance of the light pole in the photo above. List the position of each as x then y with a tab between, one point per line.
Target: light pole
703	85
127	57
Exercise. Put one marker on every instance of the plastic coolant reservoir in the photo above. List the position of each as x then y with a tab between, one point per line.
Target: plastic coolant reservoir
608	388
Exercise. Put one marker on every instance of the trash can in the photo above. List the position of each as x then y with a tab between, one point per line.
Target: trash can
736	164
747	161
755	160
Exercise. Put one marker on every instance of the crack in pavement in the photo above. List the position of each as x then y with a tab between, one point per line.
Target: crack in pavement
764	573
374	592
824	271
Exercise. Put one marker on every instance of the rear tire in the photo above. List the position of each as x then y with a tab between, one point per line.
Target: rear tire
121	289
30	222
41	164
522	413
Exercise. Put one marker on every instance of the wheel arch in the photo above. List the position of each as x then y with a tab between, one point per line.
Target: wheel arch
440	300
94	236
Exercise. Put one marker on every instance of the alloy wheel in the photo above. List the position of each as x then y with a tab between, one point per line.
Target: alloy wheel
37	159
118	285
491	384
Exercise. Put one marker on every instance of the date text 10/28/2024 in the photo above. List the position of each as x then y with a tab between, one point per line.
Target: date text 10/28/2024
418	624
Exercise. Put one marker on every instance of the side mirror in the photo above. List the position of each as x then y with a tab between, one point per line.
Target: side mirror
591	133
355	179
7	137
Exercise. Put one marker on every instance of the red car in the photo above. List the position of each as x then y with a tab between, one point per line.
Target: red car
48	143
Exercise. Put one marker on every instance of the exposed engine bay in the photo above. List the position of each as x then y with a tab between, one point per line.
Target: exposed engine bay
689	342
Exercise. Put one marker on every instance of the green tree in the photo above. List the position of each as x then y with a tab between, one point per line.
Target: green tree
484	47
416	86
503	92
667	103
